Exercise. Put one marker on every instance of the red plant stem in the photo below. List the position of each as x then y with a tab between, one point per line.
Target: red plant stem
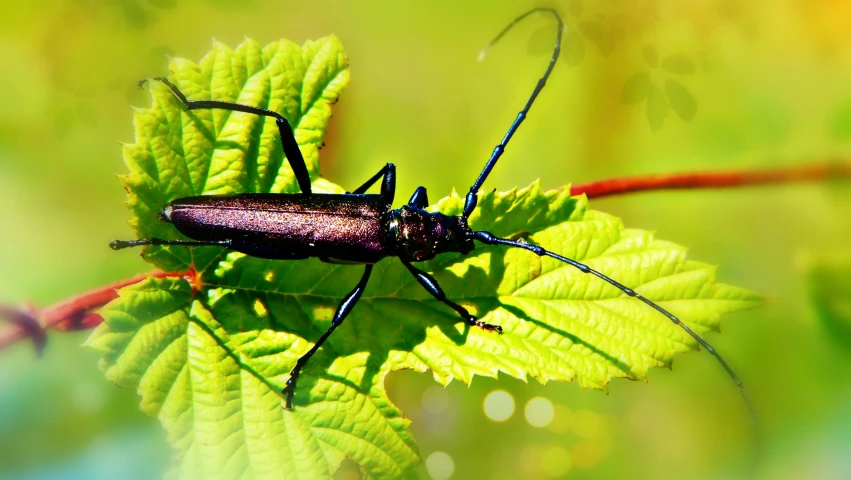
75	313
619	186
79	312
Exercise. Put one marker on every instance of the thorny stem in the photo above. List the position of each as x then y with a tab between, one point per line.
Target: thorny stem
619	186
79	312
75	313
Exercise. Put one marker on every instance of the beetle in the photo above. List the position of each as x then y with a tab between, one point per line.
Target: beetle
357	227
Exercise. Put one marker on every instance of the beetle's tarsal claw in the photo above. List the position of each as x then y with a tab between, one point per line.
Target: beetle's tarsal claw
484	326
288	392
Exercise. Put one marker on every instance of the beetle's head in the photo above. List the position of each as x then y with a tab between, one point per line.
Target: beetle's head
420	235
165	215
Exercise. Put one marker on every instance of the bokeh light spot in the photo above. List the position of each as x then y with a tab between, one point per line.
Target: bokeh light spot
440	466
587	454
545	461
562	419
435	399
539	412
88	397
499	405
587	424
556	461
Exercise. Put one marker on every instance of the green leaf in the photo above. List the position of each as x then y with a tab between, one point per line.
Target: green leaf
829	289
210	364
681	101
179	154
678	63
636	87
657	107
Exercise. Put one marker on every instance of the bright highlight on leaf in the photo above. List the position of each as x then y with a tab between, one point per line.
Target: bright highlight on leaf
210	364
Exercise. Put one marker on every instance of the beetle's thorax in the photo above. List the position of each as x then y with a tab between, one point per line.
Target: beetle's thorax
420	235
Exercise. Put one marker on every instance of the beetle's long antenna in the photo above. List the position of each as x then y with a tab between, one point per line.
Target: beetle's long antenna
489	239
472	198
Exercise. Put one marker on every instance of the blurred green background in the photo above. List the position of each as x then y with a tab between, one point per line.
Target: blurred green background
767	84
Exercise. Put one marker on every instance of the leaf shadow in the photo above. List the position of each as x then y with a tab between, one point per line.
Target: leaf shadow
382	327
519	313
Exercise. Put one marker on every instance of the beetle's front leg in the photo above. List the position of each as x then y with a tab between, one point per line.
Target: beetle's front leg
430	284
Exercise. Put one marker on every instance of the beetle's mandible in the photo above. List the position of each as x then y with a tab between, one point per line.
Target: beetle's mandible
358	227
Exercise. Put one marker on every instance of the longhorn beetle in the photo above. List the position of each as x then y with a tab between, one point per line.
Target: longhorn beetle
358	227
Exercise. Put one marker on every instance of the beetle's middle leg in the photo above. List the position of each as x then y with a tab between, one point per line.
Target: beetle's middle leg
343	310
430	284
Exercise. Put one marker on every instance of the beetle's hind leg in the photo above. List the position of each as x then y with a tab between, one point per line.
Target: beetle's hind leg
430	284
343	310
288	141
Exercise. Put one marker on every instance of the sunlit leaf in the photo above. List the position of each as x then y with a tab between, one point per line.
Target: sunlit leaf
681	101
210	363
